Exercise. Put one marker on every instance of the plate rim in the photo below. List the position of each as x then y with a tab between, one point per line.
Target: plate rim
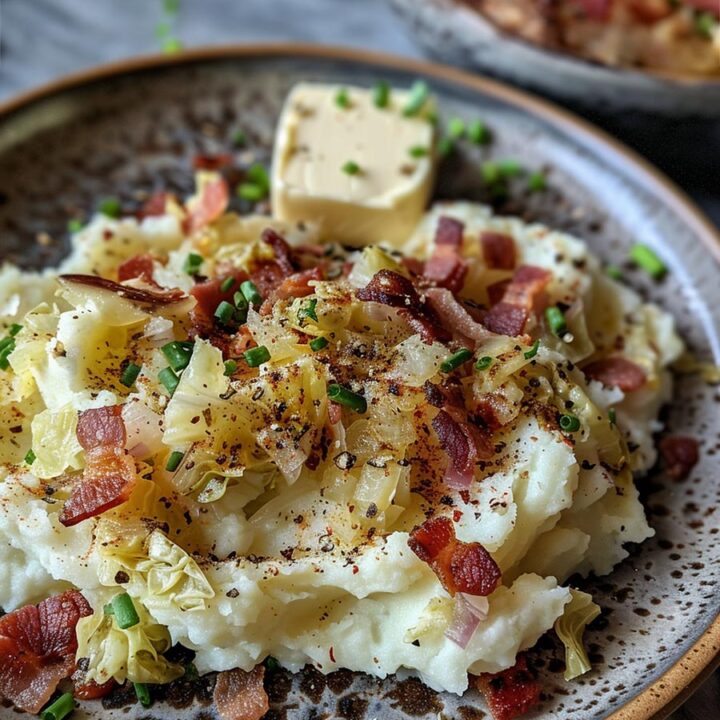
657	700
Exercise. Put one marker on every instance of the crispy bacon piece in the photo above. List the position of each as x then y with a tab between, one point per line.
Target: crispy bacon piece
138	295
283	252
101	426
212	162
509	693
595	9
446	268
449	232
390	288
426	328
209	293
240	695
267	276
211	204
296	285
616	372
91	690
506	319
496	291
454	316
680	454
456	441
460	566
498	250
154	206
140	266
37	647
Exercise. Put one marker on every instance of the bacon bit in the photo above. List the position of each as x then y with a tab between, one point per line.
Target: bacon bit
616	372
267	276
460	566
449	232
493	409
446	268
456	441
91	690
283	253
680	454
433	394
240	695
390	288
498	250
332	653
154	206
37	647
595	9
510	693
209	294
454	316
296	285
140	266
427	329
506	319
496	291
651	11
139	295
101	426
414	265
211	204
108	481
212	162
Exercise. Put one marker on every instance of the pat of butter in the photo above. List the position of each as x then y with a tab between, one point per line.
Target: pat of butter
394	156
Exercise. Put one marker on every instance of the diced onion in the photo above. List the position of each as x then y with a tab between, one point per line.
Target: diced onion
143	428
468	613
159	331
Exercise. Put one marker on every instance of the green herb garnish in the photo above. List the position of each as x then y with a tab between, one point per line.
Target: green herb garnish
342	396
645	257
130	374
256	356
455	360
569	423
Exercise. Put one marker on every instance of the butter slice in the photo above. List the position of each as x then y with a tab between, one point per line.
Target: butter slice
315	138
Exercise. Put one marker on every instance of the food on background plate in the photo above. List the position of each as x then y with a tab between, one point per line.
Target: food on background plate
682	36
236	434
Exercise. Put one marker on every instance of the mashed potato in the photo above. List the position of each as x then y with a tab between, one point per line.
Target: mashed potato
284	529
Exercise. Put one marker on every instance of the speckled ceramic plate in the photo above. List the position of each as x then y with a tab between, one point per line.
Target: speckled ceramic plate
452	32
127	129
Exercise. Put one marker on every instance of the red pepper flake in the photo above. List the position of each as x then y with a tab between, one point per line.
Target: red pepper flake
355	570
457	514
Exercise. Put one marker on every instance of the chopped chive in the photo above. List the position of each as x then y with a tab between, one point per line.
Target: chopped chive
614	272
271	663
110	207
240	301
532	352
456	128
445	146
75	225
342	396
14	329
30	457
169	379
239	139
705	24
308	310
124	611
490	172
258	175
143	694
171	6
193	263
432	117
342	99
171	45
537	182
250	291
555	320
162	30
510	168
478	133
483	363
418	151
130	374
7	348
225	312
59	709
612	416
7	341
456	360
319	343
174	460
645	257
418	96
381	94
250	191
256	356
569	423
178	354
230	367
351	168
227	284
108	609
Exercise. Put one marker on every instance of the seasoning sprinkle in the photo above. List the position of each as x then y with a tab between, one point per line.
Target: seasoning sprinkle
381	94
174	460
456	360
342	396
418	96
256	356
483	363
646	258
124	611
319	343
555	320
569	423
532	352
130	374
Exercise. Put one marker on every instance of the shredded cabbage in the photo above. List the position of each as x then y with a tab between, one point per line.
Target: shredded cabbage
371	261
570	626
55	443
434	619
133	654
